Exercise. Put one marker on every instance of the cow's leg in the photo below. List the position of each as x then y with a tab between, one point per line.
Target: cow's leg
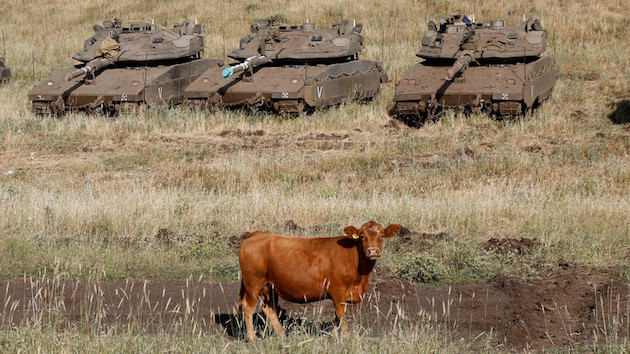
248	306
270	303
340	318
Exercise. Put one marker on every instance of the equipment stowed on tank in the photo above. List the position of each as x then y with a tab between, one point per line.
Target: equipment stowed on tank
478	66
291	69
124	65
5	73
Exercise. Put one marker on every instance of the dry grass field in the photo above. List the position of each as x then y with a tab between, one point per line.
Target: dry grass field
165	194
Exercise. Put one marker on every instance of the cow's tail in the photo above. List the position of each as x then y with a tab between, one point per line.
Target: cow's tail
241	294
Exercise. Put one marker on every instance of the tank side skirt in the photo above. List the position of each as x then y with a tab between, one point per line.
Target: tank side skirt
336	90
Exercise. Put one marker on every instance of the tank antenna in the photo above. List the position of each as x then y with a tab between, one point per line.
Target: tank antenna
554	39
144	77
524	63
382	42
223	35
396	42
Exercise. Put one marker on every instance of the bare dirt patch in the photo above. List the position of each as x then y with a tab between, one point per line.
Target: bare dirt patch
414	241
505	245
564	307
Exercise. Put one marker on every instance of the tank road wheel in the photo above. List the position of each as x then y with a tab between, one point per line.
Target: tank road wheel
58	106
411	113
293	107
214	103
98	106
301	108
41	108
508	109
126	107
368	97
414	120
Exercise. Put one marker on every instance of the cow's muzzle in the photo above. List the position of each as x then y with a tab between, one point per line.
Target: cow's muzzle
373	253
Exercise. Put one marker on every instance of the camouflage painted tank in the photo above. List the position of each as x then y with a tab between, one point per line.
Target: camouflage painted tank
291	69
124	65
5	73
478	66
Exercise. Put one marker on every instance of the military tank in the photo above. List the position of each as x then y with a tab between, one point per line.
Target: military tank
5	73
291	69
123	65
478	66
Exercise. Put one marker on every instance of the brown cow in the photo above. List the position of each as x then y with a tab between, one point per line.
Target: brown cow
308	269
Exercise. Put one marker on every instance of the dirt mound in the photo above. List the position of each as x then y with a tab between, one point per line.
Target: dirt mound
505	245
240	133
564	307
291	227
230	141
394	126
412	241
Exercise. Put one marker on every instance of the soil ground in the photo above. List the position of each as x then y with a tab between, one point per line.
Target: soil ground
564	307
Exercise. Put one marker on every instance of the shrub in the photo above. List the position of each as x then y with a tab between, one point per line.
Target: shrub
421	268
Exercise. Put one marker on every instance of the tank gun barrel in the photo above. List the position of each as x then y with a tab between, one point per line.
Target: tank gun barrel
459	65
251	62
89	67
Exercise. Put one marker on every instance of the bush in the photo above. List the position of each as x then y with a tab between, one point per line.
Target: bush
421	268
468	264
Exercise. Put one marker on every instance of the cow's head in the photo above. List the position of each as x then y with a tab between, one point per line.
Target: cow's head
370	237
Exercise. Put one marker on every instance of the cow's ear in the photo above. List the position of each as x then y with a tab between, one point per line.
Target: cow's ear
391	230
351	232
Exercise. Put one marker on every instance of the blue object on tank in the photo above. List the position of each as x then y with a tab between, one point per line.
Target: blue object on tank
227	73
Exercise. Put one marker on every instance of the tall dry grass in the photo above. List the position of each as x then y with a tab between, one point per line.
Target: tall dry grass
94	192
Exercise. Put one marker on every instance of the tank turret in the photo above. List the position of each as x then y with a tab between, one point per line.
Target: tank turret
460	40
301	44
137	42
478	66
